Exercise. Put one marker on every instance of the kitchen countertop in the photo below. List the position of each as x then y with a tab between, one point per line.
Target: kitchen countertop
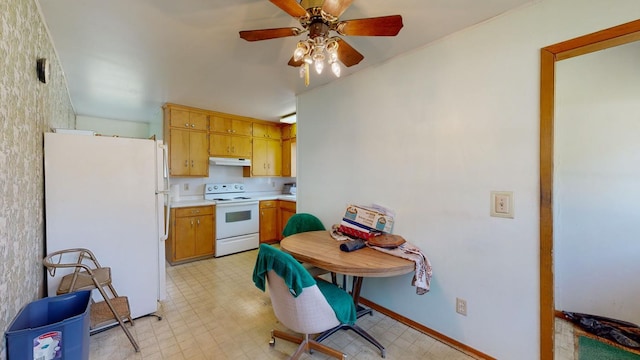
203	202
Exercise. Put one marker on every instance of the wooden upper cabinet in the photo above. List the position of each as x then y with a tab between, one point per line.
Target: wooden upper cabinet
186	133
230	126
289	131
188	153
261	130
229	145
267	157
186	119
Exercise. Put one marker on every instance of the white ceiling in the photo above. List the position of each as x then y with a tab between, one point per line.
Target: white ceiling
123	59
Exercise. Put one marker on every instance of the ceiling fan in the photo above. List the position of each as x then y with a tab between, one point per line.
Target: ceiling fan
318	18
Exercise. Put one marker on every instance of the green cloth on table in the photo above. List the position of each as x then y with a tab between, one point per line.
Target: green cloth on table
297	278
302	222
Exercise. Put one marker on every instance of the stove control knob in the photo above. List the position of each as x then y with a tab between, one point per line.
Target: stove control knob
215	187
241	187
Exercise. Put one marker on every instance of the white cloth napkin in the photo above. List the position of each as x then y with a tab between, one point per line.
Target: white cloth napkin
422	277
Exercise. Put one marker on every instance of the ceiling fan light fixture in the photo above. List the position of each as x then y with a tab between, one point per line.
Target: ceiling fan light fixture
319	65
318	18
301	50
335	68
307	59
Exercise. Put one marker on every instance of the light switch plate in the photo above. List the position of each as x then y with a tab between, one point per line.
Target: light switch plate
502	204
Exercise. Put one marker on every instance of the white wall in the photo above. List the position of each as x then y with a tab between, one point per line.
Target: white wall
596	193
430	134
110	127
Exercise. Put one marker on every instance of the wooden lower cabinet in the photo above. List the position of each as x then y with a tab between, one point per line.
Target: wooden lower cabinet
287	210
274	215
269	221
191	234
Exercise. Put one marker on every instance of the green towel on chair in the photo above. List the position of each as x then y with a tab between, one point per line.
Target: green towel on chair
302	222
295	275
297	278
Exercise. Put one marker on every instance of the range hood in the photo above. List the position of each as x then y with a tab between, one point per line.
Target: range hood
229	161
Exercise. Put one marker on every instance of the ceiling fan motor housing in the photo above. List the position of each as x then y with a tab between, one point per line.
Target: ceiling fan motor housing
318	27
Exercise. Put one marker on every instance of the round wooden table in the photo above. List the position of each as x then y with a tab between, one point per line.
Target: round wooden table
319	249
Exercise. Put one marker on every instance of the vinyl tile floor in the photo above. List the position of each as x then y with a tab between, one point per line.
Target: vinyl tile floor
213	311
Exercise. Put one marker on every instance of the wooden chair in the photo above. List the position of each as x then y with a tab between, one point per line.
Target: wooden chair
88	274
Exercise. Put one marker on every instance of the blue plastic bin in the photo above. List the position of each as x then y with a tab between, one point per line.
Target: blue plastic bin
51	328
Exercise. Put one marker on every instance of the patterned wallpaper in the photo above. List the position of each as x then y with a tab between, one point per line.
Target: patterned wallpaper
28	108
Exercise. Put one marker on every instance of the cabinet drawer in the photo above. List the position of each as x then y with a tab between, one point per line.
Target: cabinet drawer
288	205
268	204
192	211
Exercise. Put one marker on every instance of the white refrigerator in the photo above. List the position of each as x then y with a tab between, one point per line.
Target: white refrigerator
110	195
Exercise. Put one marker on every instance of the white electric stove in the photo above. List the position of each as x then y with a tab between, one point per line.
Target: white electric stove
237	218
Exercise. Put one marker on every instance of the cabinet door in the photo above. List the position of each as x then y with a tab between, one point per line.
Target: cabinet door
219	145
287	210
269	224
286	157
266	131
185	235
259	162
179	118
199	153
293	131
241	146
240	127
274	158
220	124
204	238
198	121
179	145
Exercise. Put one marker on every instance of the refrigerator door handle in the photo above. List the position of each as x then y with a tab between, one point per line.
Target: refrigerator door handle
167	216
166	191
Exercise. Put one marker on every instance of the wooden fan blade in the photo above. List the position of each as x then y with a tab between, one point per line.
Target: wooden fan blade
348	55
378	26
291	7
336	7
265	34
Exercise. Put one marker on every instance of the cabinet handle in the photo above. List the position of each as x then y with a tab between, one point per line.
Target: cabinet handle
191	163
186	124
233	149
198	222
264	166
233	131
186	163
228	130
191	222
193	125
228	150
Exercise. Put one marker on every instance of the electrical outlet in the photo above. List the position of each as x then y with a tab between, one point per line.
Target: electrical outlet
461	306
186	186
